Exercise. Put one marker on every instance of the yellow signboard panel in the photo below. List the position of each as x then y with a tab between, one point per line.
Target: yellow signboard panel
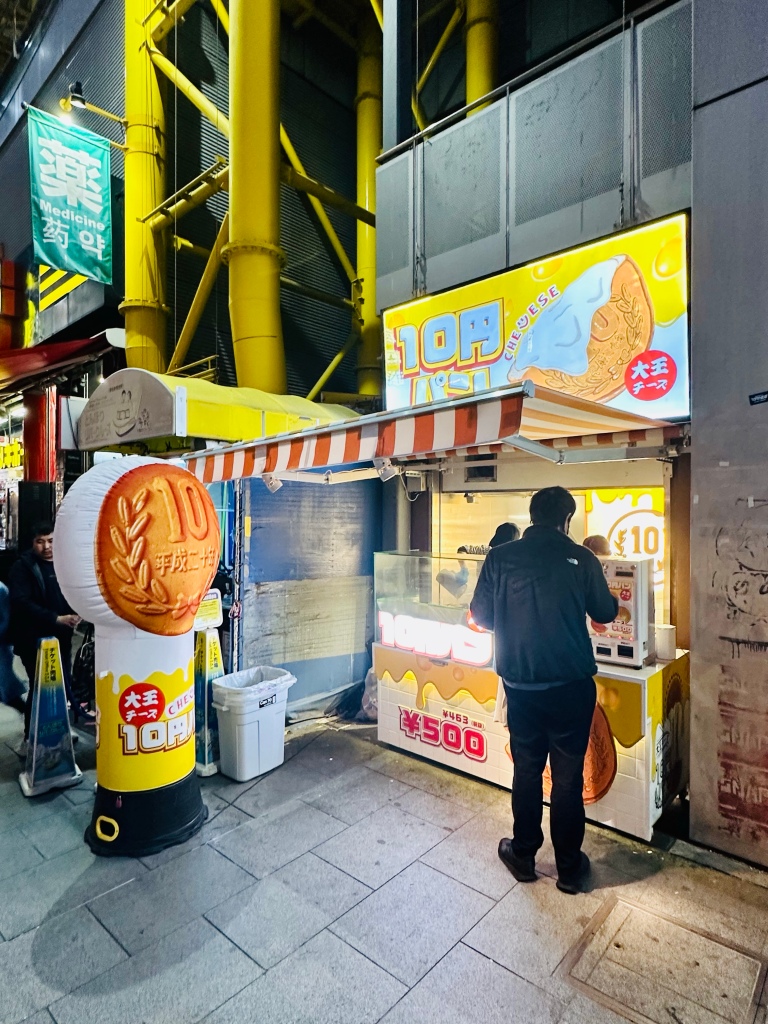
606	322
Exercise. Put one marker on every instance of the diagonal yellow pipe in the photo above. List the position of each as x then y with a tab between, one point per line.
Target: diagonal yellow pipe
222	13
317	206
204	289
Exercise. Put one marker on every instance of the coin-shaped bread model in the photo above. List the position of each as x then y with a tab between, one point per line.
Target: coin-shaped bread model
157	548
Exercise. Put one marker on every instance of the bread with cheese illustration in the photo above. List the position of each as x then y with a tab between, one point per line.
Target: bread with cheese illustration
583	342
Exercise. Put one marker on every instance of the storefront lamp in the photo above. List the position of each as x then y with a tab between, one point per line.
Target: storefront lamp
76	98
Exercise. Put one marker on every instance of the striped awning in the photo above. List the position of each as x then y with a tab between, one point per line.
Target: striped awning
523	416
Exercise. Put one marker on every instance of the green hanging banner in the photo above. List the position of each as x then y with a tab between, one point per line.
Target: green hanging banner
69	175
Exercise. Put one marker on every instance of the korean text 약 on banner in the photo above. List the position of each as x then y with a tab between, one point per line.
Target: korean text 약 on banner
69	170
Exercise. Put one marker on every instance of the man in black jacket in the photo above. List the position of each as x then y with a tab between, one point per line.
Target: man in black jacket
535	595
39	610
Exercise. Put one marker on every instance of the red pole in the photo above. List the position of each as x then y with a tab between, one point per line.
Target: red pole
39	436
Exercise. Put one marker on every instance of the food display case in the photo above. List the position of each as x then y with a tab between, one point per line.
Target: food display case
438	692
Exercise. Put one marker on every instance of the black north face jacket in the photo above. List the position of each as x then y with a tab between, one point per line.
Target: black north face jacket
535	594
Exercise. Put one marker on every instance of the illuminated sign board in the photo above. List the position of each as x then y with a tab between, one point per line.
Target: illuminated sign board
606	322
435	639
11	455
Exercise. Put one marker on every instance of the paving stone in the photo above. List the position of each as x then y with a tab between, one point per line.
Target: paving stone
531	930
684	963
178	980
281	912
265	844
285	783
162	900
58	885
58	833
44	964
470	855
435	809
649	997
709	901
467	988
43	1017
84	793
412	921
583	1010
16	809
381	845
334	752
323	982
17	853
356	793
220	821
440	781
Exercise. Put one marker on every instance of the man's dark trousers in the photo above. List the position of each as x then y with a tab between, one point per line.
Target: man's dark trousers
555	723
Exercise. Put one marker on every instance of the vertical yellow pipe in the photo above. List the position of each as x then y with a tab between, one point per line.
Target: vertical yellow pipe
144	304
253	253
481	48
369	142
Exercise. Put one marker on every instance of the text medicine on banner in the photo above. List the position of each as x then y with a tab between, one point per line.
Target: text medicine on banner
69	171
607	323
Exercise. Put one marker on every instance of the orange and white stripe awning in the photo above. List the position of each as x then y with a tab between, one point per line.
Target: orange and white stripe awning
524	416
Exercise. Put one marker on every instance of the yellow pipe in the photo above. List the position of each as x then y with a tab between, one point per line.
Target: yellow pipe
144	304
346	348
172	17
222	14
326	195
317	206
369	142
253	253
376	5
184	245
481	48
219	121
170	215
204	289
442	42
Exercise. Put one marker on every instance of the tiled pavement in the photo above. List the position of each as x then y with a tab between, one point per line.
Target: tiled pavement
355	884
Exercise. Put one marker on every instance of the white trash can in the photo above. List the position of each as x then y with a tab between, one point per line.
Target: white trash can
251	712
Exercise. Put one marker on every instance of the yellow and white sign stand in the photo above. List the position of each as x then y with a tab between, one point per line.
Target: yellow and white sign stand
50	754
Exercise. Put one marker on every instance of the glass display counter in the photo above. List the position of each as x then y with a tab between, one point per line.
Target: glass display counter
438	696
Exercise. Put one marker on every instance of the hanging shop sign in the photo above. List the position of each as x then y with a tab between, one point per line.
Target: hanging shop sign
69	172
606	322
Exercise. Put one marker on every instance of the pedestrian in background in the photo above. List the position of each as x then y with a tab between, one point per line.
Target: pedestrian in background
40	610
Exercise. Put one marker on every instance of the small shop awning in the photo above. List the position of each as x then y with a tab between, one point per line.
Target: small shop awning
19	367
525	417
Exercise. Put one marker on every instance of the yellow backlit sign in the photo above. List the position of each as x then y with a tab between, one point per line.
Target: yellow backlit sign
11	455
606	322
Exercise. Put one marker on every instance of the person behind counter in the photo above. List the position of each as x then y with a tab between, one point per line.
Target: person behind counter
456	582
535	596
598	545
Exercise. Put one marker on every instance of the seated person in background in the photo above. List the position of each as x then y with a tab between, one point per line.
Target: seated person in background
598	545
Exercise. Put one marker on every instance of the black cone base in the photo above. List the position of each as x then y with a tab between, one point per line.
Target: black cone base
139	824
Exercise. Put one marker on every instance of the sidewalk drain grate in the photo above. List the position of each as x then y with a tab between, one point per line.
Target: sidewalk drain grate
651	969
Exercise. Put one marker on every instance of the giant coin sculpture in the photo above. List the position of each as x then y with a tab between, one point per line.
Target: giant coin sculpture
137	546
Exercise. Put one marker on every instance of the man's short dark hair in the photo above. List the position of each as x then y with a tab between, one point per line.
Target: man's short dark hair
551	507
42	529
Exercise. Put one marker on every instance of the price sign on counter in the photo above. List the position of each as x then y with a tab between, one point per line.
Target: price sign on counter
210	614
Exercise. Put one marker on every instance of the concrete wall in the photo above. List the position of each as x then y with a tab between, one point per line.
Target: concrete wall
729	304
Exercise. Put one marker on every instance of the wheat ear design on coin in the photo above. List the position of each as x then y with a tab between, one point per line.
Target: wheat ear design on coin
131	564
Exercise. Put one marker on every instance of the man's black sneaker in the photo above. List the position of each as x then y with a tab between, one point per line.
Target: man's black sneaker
523	868
576	884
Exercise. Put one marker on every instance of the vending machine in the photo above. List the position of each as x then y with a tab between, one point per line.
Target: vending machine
630	638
